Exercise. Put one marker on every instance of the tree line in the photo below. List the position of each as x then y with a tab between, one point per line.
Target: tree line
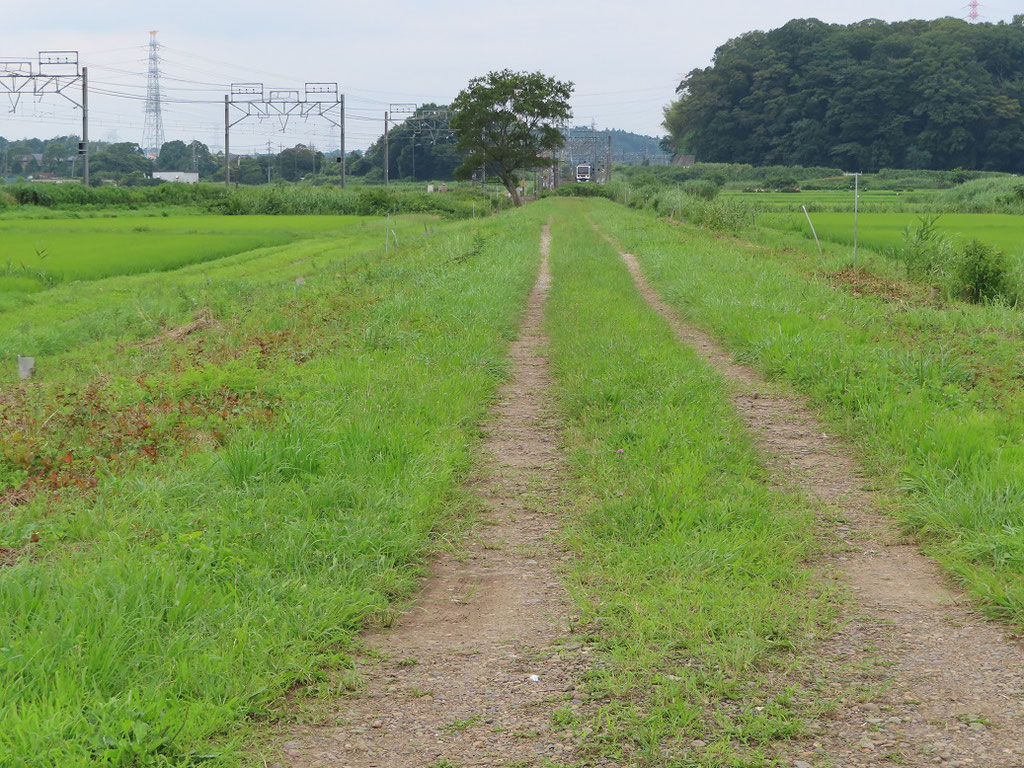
939	94
126	163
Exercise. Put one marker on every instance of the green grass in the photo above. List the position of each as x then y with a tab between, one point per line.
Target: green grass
690	576
884	231
47	252
931	394
49	322
461	200
828	200
215	515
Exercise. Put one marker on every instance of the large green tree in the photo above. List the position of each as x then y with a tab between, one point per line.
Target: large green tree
919	94
115	161
297	162
176	155
507	120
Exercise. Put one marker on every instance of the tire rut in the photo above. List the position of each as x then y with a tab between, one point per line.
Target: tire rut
938	684
472	673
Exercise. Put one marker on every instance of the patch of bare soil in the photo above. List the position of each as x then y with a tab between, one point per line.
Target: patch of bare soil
924	680
860	282
8	556
474	671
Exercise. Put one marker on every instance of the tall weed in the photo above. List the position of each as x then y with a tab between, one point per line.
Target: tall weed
983	273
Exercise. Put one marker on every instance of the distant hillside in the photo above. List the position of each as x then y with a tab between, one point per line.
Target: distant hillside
938	94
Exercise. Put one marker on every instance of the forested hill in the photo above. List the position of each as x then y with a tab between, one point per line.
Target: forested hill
917	94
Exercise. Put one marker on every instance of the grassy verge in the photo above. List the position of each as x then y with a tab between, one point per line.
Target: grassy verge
260	489
690	577
932	394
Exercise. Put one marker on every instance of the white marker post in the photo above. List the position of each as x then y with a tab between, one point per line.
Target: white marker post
26	367
813	232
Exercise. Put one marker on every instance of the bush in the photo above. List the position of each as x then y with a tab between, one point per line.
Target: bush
782	183
983	273
723	213
266	199
584	190
702	188
721	173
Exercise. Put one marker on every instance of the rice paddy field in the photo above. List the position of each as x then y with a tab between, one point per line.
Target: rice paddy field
35	253
828	199
885	231
253	442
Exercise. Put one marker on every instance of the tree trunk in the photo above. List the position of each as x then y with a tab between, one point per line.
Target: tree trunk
510	185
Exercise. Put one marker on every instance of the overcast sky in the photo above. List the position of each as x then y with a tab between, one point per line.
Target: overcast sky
625	58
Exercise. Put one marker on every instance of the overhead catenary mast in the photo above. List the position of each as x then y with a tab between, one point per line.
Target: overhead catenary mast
153	127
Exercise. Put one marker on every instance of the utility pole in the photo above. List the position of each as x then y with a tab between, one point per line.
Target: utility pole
227	141
85	126
608	161
402	110
270	161
342	129
483	168
317	99
58	73
856	213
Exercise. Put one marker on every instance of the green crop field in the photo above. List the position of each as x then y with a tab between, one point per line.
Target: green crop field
823	199
884	231
35	253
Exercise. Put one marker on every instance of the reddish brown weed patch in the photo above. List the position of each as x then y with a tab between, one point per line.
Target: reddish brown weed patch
860	282
89	431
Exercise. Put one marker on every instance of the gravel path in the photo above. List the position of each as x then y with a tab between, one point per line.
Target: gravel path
926	680
474	671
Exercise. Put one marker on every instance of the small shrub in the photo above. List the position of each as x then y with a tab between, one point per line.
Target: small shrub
983	273
926	252
782	183
584	190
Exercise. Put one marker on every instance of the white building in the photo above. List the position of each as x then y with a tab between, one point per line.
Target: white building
183	177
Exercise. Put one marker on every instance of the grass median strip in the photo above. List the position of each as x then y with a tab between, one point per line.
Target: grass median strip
931	394
691	571
146	619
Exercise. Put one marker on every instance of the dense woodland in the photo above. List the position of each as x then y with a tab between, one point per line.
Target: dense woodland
917	94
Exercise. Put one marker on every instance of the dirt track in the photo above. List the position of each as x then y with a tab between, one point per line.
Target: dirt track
941	686
473	672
